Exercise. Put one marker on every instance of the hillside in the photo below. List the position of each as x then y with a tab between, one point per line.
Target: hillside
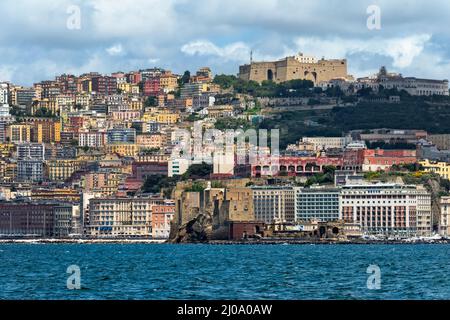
414	114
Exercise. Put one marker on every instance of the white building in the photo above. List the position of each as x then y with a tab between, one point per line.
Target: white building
178	167
121	217
444	223
414	86
92	139
4	99
386	208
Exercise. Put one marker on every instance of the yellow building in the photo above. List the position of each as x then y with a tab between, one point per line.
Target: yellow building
166	118
6	150
125	150
61	170
125	87
47	131
441	168
128	88
135	104
168	82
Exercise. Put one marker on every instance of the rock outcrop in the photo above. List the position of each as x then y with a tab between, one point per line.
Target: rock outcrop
197	230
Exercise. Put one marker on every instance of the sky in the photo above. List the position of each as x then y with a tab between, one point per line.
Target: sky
41	39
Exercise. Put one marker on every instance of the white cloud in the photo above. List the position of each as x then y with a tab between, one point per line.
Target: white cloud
402	51
115	50
237	51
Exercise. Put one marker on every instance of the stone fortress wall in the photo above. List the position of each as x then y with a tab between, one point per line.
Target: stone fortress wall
296	67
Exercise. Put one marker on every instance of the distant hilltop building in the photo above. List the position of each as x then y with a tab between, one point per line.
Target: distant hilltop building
414	86
297	67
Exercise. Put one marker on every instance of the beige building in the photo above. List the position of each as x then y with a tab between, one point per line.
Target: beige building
150	141
105	183
324	143
424	213
274	204
121	217
444	223
297	67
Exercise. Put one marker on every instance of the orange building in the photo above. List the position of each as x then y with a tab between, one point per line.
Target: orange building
162	216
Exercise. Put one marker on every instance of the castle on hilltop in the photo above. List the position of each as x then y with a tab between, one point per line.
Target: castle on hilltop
296	67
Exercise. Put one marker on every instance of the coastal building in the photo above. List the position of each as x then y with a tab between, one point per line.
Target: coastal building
151	141
124	150
317	204
444	223
30	164
162	216
428	151
424	212
64	220
121	217
27	219
389	135
274	204
105	183
388	209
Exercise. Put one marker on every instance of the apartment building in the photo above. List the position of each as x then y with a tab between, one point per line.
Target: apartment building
274	204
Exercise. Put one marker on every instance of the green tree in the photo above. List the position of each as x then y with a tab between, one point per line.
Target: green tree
198	171
186	77
151	101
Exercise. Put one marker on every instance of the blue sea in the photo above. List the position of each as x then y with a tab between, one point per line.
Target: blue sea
266	272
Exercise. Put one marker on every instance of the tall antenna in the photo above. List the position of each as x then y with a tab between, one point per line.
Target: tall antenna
251	56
